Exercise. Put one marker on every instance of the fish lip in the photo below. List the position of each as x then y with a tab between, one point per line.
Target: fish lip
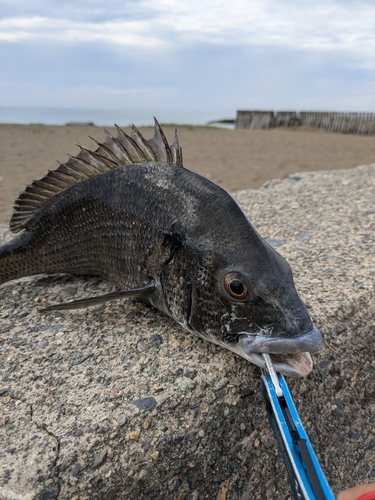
309	341
295	365
292	365
290	355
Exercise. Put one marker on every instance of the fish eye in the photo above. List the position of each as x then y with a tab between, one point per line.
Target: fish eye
235	285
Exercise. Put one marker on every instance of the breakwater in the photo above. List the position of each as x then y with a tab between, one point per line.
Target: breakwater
346	123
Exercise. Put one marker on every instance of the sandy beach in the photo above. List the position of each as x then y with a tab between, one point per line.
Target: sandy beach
235	159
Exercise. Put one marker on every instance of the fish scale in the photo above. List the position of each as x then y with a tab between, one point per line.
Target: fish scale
132	214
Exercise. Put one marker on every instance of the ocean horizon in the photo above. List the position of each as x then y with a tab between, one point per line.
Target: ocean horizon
101	117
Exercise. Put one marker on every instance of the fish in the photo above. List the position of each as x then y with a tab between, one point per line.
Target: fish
131	213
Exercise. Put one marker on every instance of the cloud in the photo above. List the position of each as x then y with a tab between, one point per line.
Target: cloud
212	56
320	25
79	10
199	76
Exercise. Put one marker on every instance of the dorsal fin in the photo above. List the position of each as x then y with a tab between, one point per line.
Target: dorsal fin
112	153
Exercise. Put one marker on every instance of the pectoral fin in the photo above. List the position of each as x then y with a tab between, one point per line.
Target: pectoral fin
143	291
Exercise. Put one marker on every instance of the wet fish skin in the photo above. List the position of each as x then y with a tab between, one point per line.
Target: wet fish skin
157	222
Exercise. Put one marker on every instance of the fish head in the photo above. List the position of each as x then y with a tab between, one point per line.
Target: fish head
255	304
228	285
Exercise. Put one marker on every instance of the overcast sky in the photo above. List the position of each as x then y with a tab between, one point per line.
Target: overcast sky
178	57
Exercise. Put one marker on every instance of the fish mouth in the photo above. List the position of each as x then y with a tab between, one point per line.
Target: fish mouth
290	355
291	365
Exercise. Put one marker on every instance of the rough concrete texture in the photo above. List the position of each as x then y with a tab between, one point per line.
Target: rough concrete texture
75	422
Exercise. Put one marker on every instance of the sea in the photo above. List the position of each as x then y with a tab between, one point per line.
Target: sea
101	117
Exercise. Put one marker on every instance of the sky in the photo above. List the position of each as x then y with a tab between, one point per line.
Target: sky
186	60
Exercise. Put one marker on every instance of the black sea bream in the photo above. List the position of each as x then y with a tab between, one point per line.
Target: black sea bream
132	214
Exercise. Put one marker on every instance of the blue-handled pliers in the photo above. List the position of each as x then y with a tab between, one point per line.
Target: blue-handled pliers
306	477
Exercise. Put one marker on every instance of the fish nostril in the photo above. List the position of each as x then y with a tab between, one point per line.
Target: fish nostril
259	300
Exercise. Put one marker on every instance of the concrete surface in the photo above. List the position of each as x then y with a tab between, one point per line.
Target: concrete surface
117	401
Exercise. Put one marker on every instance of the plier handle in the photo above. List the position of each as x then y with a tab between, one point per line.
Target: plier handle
306	477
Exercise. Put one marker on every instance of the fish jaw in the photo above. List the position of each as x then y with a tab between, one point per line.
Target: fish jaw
290	355
292	365
310	341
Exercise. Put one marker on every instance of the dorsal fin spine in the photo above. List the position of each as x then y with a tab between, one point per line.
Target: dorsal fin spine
105	152
160	145
142	144
176	150
113	145
65	178
56	179
135	153
69	171
78	163
73	171
102	164
121	151
29	196
85	158
43	186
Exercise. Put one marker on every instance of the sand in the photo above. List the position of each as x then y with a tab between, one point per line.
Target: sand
235	159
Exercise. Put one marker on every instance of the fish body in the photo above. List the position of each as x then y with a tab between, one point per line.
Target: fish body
132	214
